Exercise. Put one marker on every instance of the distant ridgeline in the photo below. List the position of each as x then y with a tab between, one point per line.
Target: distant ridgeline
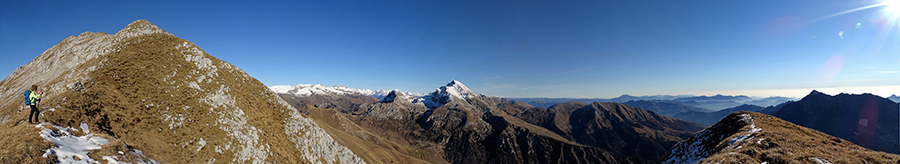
705	110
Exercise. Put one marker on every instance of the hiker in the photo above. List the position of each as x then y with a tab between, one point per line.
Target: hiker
33	97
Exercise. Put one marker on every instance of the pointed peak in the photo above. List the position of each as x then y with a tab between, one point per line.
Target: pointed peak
396	92
444	94
815	92
138	28
455	83
393	95
816	95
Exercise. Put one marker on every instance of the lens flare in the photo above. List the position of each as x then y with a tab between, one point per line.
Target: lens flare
831	67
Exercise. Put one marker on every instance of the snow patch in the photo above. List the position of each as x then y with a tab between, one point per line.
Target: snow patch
694	152
69	146
819	160
202	144
738	139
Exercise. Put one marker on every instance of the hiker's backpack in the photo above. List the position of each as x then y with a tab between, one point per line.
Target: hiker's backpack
27	93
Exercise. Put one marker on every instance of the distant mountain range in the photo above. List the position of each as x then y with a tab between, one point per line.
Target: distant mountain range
709	118
459	126
713	103
894	98
709	103
666	107
302	90
547	102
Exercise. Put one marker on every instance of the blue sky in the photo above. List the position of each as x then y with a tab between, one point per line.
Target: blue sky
509	48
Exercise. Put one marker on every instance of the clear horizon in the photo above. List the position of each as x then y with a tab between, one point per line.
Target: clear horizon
572	49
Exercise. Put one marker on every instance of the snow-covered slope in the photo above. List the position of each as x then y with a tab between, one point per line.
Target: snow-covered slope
446	94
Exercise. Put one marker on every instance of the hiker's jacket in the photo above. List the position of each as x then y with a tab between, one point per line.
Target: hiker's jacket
34	98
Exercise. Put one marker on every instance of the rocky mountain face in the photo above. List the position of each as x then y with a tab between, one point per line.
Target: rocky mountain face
867	120
614	126
749	137
462	127
155	97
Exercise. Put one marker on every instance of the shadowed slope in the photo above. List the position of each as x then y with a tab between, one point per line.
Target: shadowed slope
867	120
619	127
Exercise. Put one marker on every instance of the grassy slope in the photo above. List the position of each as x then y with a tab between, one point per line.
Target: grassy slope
22	144
785	142
372	148
135	87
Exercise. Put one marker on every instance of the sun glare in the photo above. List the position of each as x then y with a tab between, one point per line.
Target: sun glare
891	5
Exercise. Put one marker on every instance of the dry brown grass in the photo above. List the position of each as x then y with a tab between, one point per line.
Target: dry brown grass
784	142
23	144
132	89
368	146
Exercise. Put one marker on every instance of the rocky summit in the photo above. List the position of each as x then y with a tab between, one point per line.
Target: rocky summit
143	95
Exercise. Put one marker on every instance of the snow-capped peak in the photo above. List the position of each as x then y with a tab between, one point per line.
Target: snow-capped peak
443	95
456	89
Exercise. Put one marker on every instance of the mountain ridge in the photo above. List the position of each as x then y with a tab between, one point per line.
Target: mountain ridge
750	137
143	88
865	119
